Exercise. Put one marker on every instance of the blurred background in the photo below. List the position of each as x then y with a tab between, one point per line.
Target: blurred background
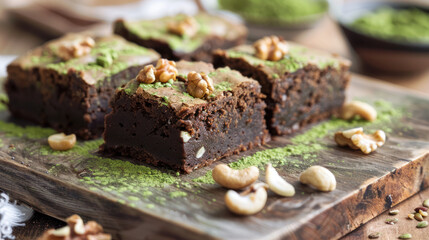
324	24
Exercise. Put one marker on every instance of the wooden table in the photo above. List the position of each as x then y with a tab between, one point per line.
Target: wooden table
15	40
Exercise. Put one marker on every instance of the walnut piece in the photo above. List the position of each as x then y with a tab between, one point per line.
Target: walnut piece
199	85
271	48
188	26
358	108
147	74
164	71
76	230
356	139
76	48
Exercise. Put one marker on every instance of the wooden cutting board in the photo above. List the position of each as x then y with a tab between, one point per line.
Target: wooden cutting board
122	197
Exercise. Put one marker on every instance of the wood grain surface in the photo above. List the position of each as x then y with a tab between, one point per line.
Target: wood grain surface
367	186
16	40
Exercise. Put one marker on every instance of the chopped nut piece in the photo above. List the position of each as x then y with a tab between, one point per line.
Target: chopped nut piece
418	217
248	202
271	48
76	230
426	203
405	236
422	224
188	26
185	136
147	74
319	177
277	184
394	212
199	85
358	108
374	235
423	213
234	179
391	221
411	216
356	139
77	48
417	209
200	152
62	142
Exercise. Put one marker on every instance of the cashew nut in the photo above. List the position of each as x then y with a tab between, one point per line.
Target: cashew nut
358	108
248	202
319	178
62	142
235	179
277	184
76	224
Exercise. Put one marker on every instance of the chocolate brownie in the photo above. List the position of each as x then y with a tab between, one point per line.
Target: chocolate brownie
303	87
160	123
212	32
67	86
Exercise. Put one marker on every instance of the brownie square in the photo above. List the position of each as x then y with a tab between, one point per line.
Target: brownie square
213	32
305	86
163	125
72	95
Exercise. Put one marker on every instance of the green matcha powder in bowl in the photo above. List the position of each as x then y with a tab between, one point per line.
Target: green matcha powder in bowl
388	36
401	25
286	18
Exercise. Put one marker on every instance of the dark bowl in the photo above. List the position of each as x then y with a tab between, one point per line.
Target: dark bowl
289	30
382	54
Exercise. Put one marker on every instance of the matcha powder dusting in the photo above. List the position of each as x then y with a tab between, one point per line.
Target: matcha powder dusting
307	144
123	176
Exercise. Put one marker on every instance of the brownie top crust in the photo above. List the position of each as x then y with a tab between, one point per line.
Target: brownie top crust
173	94
297	58
209	26
108	56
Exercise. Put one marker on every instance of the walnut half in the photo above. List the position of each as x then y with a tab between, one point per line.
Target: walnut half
147	74
76	48
76	230
271	48
356	139
164	71
188	26
199	85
